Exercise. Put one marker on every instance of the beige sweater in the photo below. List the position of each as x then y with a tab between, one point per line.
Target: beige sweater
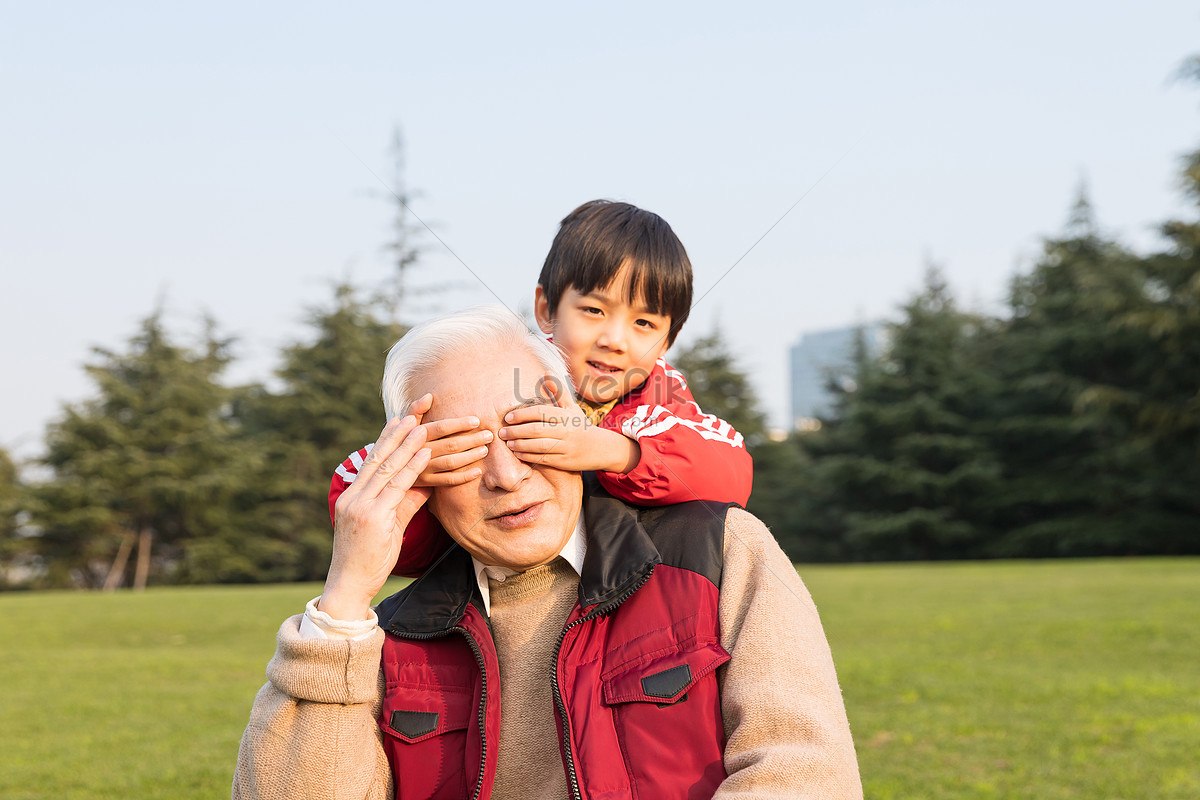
528	611
313	730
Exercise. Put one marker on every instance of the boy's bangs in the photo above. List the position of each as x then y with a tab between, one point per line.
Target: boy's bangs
657	284
600	237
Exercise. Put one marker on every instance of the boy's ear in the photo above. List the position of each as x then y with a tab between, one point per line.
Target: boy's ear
542	311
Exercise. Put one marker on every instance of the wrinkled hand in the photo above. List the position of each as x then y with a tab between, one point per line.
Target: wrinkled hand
559	435
456	445
371	516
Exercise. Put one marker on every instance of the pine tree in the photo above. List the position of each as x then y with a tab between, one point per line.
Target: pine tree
1167	420
1077	361
903	464
788	499
145	467
12	546
329	405
1104	448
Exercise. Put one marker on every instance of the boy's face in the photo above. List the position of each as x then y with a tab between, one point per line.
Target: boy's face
610	345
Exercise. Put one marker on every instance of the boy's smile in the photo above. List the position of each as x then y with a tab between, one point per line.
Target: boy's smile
610	345
602	368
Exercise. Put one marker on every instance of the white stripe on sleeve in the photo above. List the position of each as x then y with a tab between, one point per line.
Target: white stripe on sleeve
649	421
348	469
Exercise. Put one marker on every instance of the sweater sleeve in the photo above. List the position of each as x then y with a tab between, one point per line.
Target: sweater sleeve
785	722
686	454
313	730
424	538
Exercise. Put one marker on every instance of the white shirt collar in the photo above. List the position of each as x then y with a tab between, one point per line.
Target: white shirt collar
573	552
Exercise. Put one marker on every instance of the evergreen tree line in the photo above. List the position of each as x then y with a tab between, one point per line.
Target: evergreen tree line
1067	426
168	475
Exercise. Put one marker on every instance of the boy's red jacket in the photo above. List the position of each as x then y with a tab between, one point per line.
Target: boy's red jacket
686	455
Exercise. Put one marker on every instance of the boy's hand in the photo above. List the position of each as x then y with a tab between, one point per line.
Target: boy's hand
561	436
455	444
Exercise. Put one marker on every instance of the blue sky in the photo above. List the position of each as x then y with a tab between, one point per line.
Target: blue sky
212	157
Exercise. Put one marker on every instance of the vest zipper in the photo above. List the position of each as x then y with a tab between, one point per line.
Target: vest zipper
598	611
482	708
482	697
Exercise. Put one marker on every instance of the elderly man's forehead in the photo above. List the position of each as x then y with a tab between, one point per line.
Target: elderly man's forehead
487	383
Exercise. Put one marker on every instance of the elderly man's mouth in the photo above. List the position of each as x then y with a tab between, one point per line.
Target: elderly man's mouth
520	516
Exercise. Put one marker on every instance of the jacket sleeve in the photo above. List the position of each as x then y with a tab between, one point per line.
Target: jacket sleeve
686	454
424	538
785	722
313	730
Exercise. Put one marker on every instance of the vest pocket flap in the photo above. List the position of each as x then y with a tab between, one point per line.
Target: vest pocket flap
664	678
414	714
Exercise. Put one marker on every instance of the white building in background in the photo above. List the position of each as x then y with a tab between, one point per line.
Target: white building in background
814	357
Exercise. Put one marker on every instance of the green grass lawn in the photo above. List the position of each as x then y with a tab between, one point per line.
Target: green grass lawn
989	680
1044	680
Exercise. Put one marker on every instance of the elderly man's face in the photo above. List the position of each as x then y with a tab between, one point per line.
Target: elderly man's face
516	515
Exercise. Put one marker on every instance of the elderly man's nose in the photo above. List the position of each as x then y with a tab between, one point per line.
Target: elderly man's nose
501	469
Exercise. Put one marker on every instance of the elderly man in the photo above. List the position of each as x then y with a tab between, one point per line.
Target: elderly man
568	644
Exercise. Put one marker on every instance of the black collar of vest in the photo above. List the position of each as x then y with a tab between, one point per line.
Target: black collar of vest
620	554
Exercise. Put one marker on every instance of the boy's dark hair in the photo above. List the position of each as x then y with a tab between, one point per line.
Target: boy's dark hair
595	240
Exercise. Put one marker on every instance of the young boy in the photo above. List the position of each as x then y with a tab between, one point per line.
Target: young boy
614	291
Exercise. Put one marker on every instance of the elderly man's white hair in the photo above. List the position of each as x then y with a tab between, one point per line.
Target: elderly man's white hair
469	331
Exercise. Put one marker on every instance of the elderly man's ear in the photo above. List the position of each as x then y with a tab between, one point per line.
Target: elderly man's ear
420	407
557	393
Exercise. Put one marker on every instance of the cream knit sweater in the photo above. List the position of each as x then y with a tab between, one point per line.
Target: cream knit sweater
313	731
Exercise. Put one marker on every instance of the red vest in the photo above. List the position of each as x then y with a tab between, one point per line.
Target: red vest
635	685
